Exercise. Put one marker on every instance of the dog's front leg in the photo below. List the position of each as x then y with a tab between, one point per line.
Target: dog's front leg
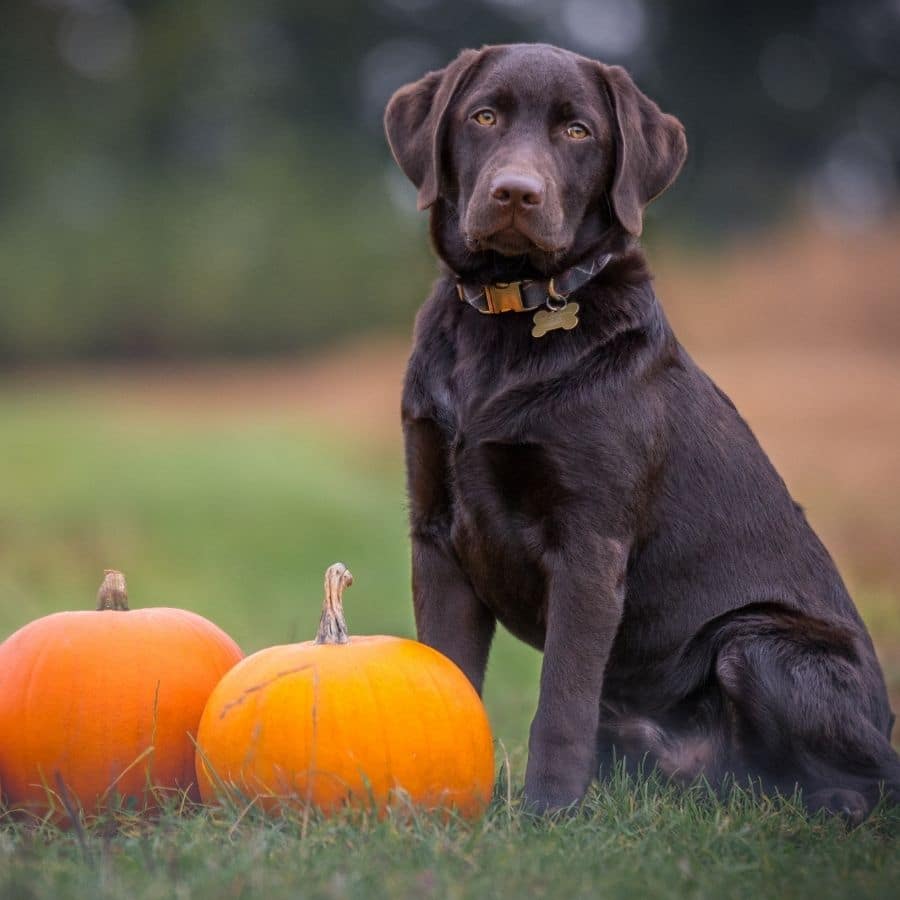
449	616
585	591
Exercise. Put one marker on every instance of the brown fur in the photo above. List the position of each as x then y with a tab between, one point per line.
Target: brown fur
594	491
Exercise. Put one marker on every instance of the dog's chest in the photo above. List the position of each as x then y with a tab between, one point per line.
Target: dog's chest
496	394
501	480
497	541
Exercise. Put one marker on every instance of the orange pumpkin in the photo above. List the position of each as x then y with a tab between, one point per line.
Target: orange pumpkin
359	721
96	704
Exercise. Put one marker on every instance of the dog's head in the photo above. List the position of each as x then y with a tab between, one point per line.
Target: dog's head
527	155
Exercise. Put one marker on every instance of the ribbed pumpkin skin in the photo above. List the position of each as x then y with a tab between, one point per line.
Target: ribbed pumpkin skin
86	693
340	724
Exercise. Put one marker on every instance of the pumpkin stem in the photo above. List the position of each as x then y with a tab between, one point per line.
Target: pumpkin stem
113	593
332	627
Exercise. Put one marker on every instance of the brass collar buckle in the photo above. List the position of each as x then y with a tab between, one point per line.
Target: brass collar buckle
505	296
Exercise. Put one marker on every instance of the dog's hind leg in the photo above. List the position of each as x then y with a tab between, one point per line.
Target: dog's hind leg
809	710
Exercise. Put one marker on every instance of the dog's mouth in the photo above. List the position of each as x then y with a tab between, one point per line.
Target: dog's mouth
511	241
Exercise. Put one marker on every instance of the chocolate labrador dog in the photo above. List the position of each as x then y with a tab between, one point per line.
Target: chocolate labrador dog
574	475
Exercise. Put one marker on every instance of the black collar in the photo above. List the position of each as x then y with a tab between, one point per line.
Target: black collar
521	296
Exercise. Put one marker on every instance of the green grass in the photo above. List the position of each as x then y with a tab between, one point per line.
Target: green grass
238	522
632	839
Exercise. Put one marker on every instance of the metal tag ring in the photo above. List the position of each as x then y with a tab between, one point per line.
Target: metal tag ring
555	295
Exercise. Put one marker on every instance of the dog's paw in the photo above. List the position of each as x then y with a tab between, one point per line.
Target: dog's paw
851	806
550	798
547	808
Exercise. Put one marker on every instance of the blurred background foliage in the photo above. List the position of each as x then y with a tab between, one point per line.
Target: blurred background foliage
184	178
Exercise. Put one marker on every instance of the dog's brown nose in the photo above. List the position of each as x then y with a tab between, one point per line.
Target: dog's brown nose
517	189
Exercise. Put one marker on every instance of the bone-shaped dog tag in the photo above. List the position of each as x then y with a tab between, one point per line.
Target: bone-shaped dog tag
550	319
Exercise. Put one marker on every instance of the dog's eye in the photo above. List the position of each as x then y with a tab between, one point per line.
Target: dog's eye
485	117
577	131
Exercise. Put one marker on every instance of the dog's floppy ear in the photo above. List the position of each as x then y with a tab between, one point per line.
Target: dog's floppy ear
415	121
650	148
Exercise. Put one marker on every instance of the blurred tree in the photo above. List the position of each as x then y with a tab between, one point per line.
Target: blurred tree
190	176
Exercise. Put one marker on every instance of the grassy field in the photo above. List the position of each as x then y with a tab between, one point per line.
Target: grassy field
236	516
